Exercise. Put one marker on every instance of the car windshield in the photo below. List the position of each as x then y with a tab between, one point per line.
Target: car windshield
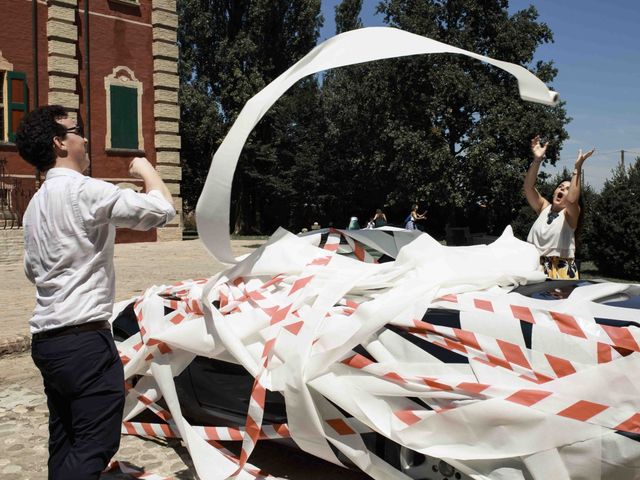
557	290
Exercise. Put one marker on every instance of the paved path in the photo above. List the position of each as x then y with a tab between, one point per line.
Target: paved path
138	266
24	434
23	410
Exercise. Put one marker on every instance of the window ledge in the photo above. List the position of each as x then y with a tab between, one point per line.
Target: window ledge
125	151
130	3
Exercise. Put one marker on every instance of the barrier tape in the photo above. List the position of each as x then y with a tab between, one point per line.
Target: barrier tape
292	313
281	303
619	338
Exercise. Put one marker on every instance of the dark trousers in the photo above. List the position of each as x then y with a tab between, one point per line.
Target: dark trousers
84	383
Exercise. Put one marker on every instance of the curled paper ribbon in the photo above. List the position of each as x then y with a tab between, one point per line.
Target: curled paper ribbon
350	48
507	386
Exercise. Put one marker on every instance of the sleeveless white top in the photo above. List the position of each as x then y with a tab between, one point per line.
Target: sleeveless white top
552	235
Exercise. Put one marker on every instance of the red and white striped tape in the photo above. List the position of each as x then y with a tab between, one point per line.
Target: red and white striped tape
280	305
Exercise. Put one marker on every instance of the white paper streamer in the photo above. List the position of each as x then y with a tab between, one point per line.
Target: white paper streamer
349	48
547	404
520	408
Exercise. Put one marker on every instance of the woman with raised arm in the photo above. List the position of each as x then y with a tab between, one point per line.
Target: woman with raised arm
410	223
553	232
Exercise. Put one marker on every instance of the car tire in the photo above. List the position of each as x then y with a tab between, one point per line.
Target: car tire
417	465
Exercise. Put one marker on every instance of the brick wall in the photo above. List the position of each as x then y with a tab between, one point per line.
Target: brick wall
140	36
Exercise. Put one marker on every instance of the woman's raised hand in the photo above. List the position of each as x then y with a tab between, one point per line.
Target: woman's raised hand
583	156
538	149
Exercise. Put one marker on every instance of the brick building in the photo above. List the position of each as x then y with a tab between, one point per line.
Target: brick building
113	63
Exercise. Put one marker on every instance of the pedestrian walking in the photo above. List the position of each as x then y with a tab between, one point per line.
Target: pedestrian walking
69	232
410	223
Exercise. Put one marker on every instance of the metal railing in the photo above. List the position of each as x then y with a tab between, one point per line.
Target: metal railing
15	193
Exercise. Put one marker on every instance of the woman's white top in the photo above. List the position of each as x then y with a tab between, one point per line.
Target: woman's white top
552	235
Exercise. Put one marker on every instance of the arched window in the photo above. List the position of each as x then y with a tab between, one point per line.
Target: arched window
124	110
14	101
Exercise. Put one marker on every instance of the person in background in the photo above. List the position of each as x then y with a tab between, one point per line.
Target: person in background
353	224
554	231
410	222
69	232
379	219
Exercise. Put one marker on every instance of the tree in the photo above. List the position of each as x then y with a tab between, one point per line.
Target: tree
348	15
615	242
445	130
228	52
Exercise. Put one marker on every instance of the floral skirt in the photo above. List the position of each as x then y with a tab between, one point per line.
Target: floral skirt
559	268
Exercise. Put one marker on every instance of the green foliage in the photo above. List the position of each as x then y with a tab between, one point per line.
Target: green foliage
526	216
615	241
585	233
348	15
446	131
229	51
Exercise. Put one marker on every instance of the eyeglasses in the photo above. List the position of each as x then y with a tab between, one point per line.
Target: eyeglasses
77	129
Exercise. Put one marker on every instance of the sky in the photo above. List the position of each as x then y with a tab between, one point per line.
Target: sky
596	50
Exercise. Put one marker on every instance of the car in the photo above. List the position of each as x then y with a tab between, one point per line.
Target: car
216	392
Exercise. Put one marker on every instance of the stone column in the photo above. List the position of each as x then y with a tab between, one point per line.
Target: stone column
62	65
166	108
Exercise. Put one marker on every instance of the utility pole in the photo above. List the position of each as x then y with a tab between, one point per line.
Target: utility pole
622	158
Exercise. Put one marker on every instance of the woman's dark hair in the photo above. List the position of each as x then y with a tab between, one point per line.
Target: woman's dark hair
35	133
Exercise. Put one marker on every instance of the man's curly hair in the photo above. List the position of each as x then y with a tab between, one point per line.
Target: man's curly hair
35	133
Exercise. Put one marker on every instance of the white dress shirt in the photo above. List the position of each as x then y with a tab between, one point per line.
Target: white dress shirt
69	232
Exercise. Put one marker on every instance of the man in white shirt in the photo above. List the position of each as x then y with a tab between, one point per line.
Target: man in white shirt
69	231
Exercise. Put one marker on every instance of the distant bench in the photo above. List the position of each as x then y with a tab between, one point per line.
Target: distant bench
462	236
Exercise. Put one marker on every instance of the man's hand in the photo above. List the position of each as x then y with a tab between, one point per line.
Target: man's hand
538	149
140	166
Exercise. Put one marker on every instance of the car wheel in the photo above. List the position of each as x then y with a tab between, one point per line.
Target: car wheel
419	466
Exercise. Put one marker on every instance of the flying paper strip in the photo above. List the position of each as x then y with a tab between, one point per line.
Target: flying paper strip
356	46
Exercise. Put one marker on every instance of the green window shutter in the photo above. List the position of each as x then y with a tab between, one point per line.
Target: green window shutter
17	101
3	106
124	117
